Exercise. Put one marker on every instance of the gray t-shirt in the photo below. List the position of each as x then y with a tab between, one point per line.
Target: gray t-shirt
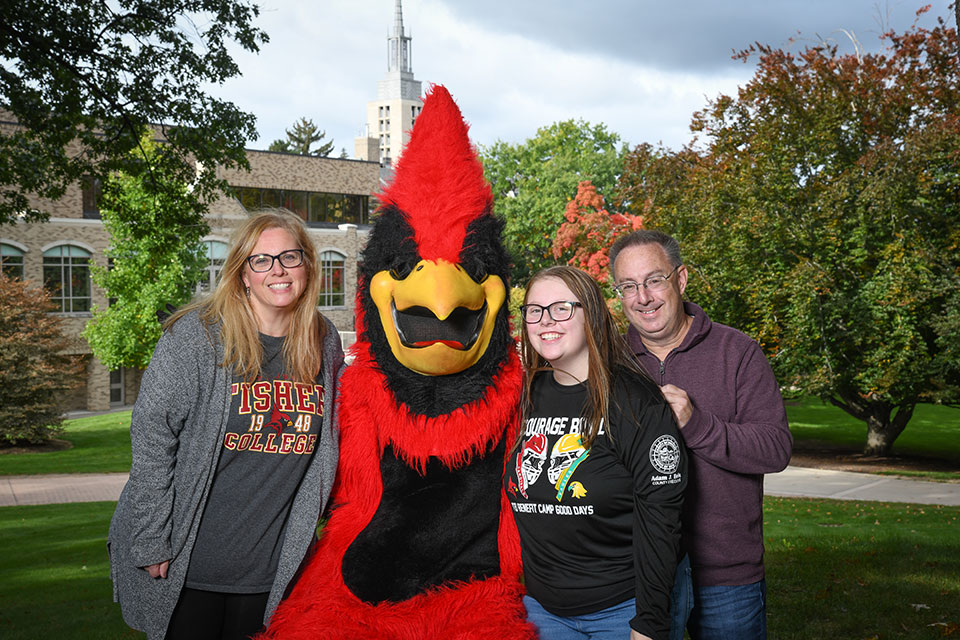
271	434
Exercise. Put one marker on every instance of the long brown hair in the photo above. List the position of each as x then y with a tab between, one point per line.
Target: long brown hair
606	350
228	305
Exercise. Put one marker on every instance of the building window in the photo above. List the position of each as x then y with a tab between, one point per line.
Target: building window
355	209
116	387
312	206
92	191
326	207
249	198
331	280
216	255
271	198
11	261
66	275
296	201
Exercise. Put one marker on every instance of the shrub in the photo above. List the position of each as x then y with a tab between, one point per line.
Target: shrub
35	374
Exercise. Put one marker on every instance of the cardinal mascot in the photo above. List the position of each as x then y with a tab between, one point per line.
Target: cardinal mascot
420	543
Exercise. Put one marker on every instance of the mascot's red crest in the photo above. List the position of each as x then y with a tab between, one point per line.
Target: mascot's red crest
439	181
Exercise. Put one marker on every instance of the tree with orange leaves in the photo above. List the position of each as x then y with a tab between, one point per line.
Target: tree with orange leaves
584	238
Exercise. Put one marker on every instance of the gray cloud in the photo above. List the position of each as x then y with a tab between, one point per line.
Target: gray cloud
698	35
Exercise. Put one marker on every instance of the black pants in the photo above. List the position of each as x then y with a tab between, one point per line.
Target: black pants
209	615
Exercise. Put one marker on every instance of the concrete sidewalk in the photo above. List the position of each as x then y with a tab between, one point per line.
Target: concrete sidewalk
794	481
61	487
846	485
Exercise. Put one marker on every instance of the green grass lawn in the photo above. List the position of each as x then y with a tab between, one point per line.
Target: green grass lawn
861	570
56	577
101	444
835	569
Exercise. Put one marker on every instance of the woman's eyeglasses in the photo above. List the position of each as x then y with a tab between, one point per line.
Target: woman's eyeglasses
289	259
558	311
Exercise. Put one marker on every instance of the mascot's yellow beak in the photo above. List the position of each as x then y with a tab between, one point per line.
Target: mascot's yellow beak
437	320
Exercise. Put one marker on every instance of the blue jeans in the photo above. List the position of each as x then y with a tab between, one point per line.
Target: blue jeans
681	599
608	624
737	612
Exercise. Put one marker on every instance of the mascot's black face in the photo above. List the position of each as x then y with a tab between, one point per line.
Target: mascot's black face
438	331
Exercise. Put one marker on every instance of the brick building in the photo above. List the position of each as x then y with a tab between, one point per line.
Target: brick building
332	195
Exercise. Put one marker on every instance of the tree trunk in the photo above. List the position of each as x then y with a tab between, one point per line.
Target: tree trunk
882	426
882	431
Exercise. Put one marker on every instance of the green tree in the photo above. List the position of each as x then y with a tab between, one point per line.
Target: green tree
533	181
84	77
153	262
301	138
34	372
822	213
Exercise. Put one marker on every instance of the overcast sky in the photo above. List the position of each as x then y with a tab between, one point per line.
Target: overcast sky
640	67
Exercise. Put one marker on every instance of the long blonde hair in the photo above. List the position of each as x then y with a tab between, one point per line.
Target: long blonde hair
606	349
229	307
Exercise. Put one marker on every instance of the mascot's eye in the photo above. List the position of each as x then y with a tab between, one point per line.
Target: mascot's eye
476	270
479	275
401	268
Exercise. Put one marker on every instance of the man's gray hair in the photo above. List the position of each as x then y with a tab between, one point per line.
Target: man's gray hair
647	236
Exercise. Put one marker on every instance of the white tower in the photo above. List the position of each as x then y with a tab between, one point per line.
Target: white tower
391	116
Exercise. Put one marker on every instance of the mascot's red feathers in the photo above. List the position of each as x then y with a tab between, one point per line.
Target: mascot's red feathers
421	543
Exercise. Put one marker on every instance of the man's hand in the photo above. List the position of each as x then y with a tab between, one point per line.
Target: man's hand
679	402
158	570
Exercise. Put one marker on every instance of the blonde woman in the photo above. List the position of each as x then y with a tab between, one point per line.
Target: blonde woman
598	475
234	445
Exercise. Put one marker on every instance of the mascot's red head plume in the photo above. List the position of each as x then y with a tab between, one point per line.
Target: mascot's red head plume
421	543
439	181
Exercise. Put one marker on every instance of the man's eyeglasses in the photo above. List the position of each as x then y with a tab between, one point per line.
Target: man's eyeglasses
558	311
653	283
289	259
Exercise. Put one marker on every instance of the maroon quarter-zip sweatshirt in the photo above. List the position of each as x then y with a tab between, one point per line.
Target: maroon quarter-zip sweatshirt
737	433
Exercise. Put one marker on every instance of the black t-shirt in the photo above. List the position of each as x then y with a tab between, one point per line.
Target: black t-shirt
271	434
602	526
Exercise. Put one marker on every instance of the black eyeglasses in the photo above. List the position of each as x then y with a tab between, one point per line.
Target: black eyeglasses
653	283
262	262
558	311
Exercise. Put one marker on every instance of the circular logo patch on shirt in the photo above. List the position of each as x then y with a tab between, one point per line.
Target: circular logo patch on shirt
665	454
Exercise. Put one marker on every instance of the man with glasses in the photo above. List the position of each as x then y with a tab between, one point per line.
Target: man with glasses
730	412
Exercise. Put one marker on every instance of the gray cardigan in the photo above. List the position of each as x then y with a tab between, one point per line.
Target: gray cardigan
178	423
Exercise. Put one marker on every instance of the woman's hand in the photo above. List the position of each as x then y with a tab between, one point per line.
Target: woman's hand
158	570
636	635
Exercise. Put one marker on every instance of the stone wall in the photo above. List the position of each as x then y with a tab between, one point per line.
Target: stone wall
305	173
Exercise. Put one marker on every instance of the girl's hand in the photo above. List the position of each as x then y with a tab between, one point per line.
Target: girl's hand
158	570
